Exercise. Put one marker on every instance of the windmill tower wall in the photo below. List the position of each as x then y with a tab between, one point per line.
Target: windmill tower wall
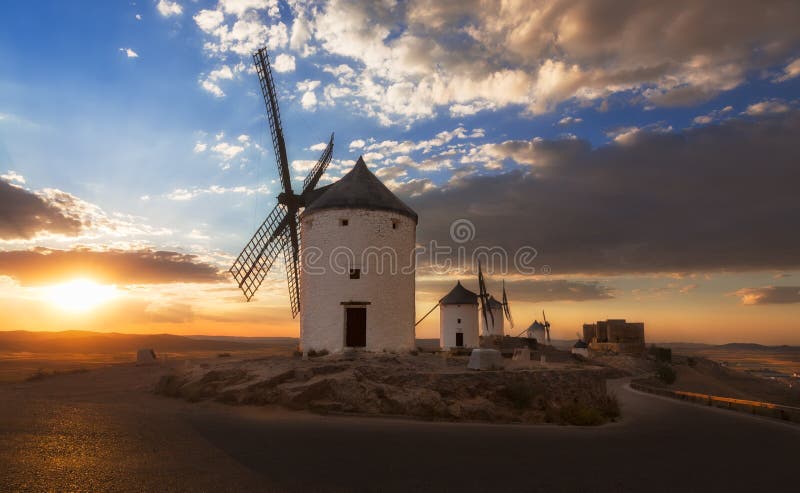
458	319
498	327
342	239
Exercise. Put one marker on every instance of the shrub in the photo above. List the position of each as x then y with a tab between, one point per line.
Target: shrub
580	415
691	361
520	394
605	409
666	374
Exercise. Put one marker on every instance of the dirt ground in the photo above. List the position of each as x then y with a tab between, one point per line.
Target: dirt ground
104	430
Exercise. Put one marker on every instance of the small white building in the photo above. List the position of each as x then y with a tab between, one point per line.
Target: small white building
538	331
458	319
493	325
357	280
581	349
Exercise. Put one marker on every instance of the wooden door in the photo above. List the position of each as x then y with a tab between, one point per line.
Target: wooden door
356	327
459	339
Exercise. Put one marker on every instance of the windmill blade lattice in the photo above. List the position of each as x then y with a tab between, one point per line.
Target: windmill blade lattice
291	258
319	169
484	296
280	231
506	307
261	59
259	254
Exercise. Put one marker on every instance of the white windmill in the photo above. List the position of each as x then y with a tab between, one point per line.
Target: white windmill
539	331
494	312
458	319
369	301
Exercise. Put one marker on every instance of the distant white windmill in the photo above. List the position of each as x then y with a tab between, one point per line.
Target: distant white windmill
459	315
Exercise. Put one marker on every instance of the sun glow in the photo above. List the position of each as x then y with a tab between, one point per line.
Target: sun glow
80	295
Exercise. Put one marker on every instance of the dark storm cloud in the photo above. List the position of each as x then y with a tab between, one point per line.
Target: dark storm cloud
46	266
23	214
769	295
717	197
538	290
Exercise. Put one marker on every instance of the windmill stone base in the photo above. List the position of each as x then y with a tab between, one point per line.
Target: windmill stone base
485	359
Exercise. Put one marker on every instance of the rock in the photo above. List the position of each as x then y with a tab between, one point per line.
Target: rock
485	359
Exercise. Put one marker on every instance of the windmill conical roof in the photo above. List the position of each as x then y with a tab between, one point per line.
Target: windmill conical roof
536	325
459	295
361	189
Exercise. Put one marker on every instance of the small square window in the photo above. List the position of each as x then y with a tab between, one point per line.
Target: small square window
394	224
459	320
344	222
355	273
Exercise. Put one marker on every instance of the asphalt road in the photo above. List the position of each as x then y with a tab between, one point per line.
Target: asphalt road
102	431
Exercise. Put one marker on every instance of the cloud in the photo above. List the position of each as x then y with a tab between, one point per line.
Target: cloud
209	20
168	8
212	88
569	120
240	7
284	63
767	107
714	197
769	295
309	100
712	116
200	147
13	176
790	71
182	194
242	31
539	290
414	58
138	17
318	147
357	144
41	266
211	82
129	52
27	214
227	151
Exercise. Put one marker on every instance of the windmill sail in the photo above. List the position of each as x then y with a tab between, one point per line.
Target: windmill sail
291	257
506	308
259	254
280	230
261	59
319	169
484	296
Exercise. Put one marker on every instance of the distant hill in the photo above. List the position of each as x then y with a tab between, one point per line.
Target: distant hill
736	346
80	341
249	340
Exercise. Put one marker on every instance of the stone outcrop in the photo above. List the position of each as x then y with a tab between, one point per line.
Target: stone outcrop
393	386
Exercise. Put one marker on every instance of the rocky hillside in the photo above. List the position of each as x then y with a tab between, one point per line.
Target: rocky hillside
423	386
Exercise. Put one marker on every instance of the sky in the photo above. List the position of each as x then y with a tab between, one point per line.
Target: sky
645	150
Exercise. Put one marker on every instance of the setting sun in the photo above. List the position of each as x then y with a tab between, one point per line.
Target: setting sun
80	295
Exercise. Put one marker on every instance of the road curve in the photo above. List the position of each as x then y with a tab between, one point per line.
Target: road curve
91	432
